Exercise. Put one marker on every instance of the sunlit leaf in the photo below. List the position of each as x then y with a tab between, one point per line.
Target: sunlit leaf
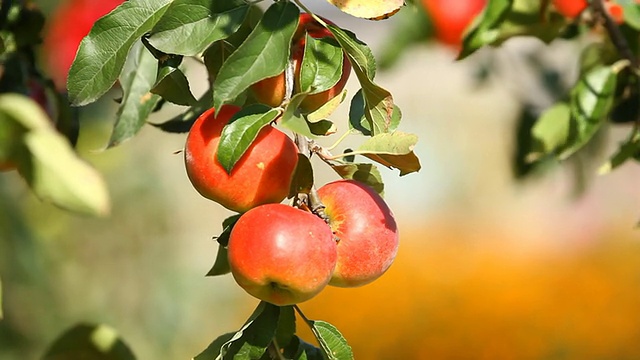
84	341
263	54
321	65
103	52
393	150
241	131
137	79
363	172
551	131
190	26
334	346
327	109
293	120
369	9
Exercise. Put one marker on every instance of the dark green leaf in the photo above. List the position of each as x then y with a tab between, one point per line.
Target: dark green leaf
627	150
221	265
183	122
378	102
263	54
137	79
322	127
103	52
333	344
299	349
173	86
241	131
46	160
365	173
321	65
251	341
84	341
213	350
302	179
393	150
591	101
190	26
286	326
358	121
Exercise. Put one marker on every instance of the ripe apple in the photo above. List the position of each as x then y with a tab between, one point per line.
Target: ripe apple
570	8
451	18
271	91
262	175
366	231
281	254
70	22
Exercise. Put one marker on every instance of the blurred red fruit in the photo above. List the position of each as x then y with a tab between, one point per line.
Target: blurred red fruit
451	18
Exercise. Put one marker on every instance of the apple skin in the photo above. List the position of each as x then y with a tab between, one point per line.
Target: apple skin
451	18
262	175
366	230
70	22
570	8
281	254
271	91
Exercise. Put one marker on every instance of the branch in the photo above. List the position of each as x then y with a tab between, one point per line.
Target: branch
616	36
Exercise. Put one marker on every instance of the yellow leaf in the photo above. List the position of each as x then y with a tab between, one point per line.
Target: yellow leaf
369	9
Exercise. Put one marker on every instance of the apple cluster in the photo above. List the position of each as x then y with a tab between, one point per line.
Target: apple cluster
280	253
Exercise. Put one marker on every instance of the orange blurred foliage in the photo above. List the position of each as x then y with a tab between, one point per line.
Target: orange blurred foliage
469	294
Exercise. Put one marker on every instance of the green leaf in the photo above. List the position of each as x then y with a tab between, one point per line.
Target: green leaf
393	150
46	160
221	264
189	26
182	123
299	349
333	344
504	19
627	150
213	350
103	52
551	131
327	109
378	102
631	12
85	341
293	120
591	101
251	341
362	172
321	65
286	326
302	179
358	121
241	131
322	127
137	79
173	86
263	54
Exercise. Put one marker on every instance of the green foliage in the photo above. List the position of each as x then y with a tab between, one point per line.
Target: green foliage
86	341
321	65
332	343
221	264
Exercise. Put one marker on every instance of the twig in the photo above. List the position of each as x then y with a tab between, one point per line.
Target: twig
616	36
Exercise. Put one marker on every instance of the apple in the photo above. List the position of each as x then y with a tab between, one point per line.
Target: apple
366	231
451	18
271	91
281	254
69	23
262	175
570	8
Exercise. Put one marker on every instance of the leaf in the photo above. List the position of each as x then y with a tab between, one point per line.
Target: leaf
327	109
1	313
286	326
591	101
241	131
182	123
551	131
221	264
263	54
293	120
358	121
190	26
137	79
364	173
251	341
631	12
393	150
378	102
103	52
369	9
504	19
321	65
333	344
213	350
46	160
299	349
627	150
173	86
87	341
322	128
302	179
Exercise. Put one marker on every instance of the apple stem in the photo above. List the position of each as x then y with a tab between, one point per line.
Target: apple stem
616	36
274	350
312	199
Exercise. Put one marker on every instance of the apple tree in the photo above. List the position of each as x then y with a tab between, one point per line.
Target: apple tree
276	73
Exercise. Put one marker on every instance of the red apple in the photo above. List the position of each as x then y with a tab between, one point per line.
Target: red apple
262	175
281	254
570	8
366	231
271	91
69	23
451	18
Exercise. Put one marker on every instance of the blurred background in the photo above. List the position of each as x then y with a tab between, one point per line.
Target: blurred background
490	266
